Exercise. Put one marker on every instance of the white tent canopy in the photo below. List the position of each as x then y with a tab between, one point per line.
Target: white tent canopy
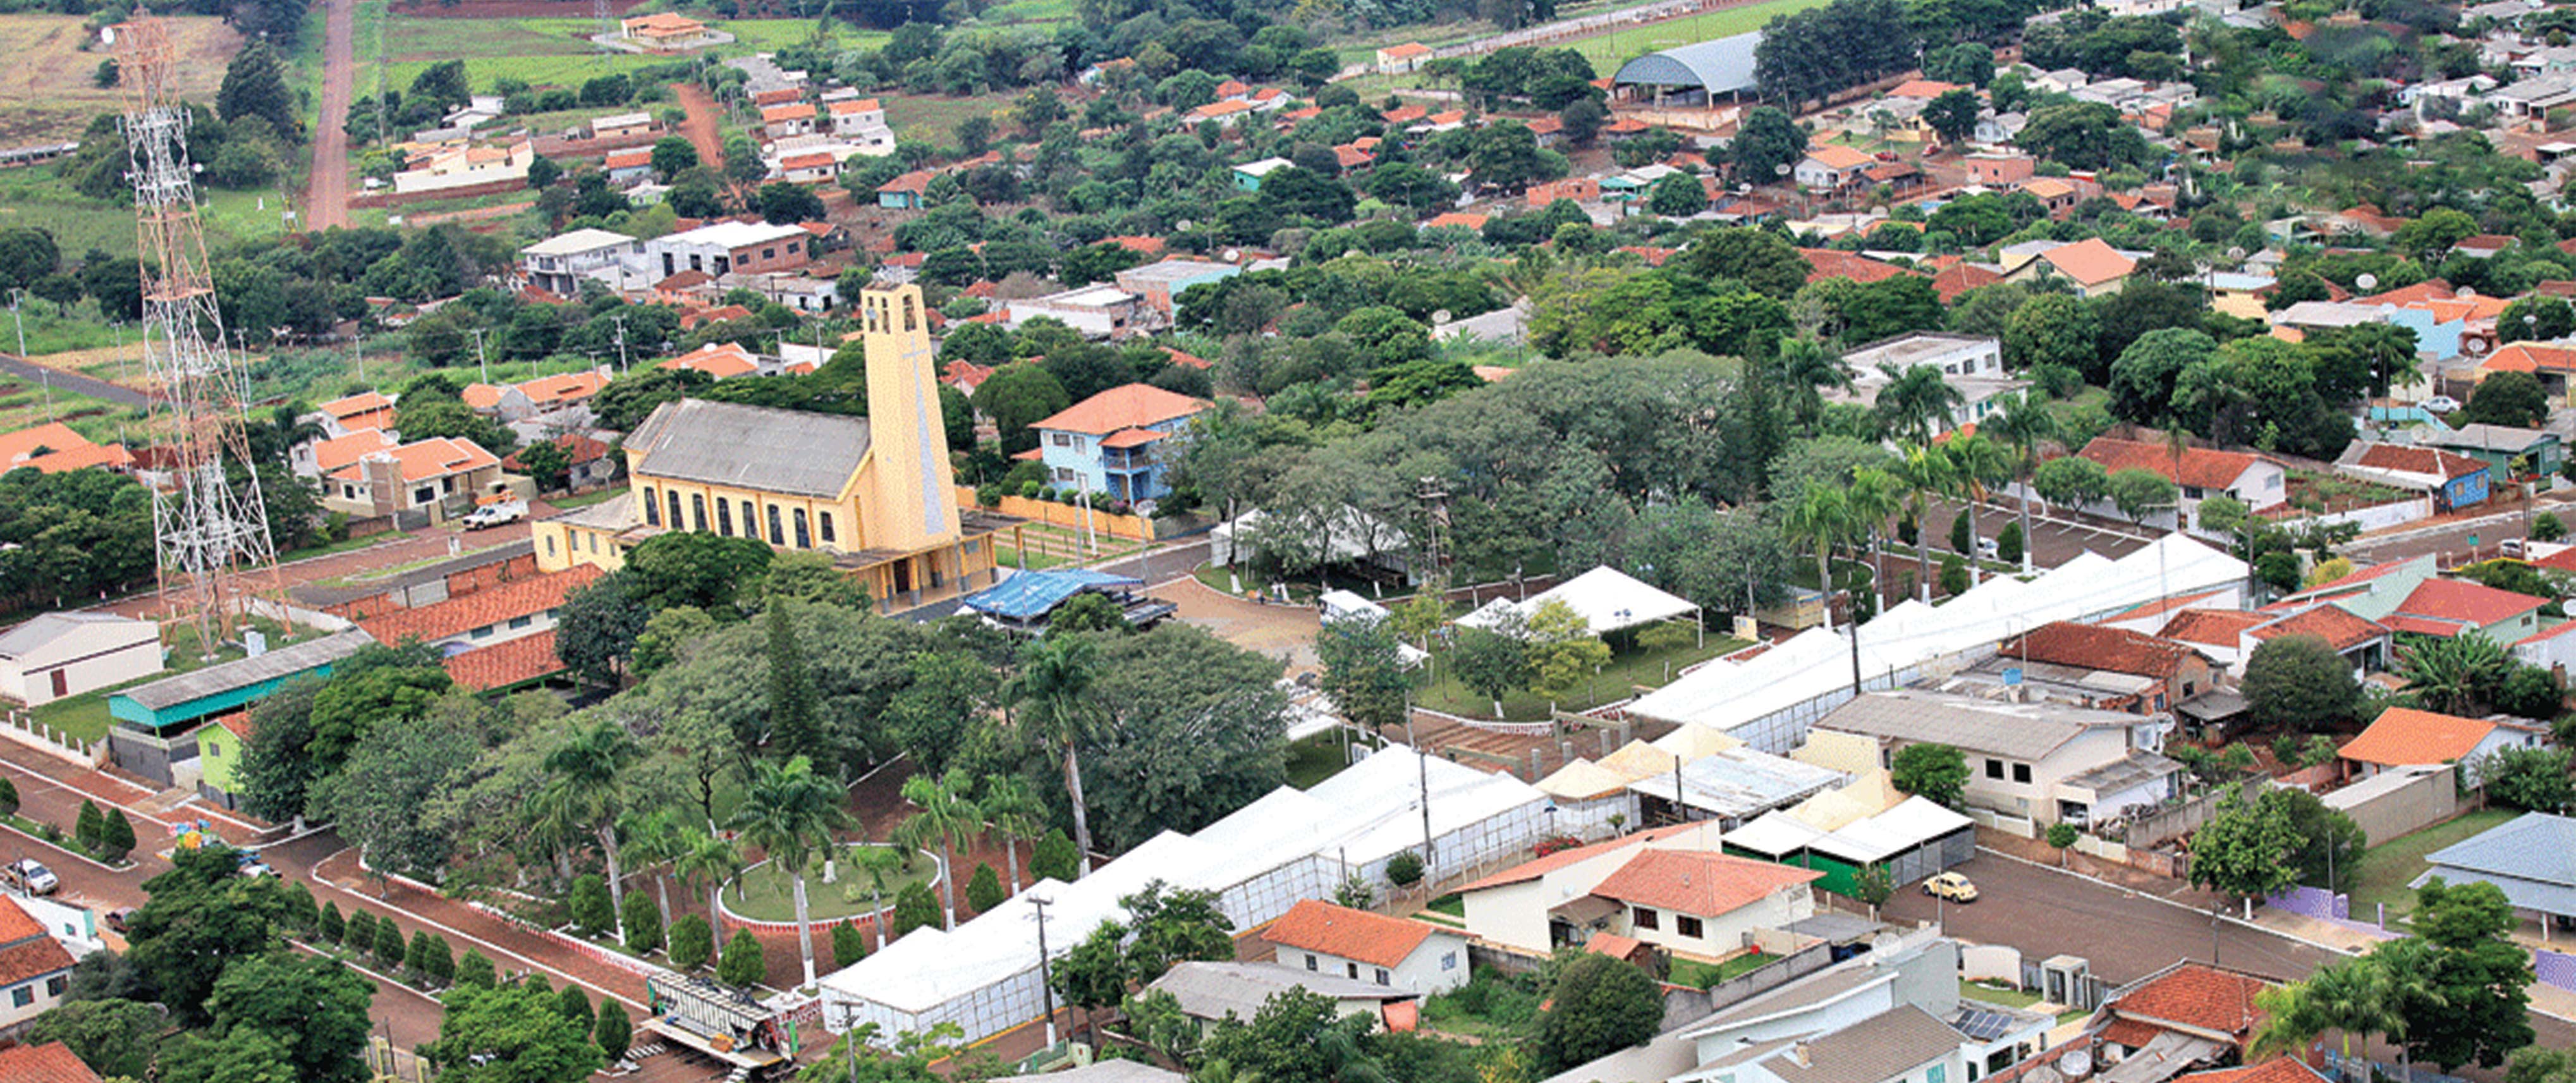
1607	599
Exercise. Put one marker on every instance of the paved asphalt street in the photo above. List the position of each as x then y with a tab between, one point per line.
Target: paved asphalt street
75	383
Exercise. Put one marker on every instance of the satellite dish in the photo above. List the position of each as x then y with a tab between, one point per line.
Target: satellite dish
1885	942
2467	294
1442	316
2367	281
2237	252
107	35
2076	1063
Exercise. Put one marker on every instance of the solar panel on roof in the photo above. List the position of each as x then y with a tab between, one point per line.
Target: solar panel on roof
1982	1025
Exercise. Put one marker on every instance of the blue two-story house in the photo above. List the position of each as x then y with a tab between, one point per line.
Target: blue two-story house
1108	443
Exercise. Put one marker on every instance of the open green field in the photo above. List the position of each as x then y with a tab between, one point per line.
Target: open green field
47	94
545	52
39	195
2385	868
1608	51
934	119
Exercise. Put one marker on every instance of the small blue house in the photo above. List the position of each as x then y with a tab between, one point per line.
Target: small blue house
1111	442
905	193
2454	481
1247	177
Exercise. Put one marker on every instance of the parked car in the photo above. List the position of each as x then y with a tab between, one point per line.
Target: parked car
496	513
1951	886
2441	404
2511	547
1987	549
117	918
27	875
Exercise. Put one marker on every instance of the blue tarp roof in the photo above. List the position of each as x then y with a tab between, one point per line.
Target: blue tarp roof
1031	594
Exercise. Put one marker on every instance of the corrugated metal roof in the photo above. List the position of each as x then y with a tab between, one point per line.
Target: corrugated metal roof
2026	731
754	447
242	673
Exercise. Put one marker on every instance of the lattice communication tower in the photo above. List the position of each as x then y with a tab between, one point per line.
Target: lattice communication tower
215	552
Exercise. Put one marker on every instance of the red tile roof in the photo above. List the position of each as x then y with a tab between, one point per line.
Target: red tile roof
1186	360
1458	219
1613	945
63	449
2201	467
1321	927
1404	114
2460	600
27	951
2211	627
2174	604
2090	261
491	605
1960	278
2196	996
2423	626
626	159
581	449
722	360
422	460
2339	627
2094	646
1130	407
1538	867
818	159
52	1062
795	111
2275	1070
2404	736
505	664
2419	460
1922	88
1698	882
1824	263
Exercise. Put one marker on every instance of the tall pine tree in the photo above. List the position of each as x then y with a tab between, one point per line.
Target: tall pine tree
255	86
793	728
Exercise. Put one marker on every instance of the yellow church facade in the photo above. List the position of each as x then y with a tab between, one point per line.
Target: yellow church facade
876	493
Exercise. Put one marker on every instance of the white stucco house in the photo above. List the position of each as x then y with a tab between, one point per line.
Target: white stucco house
1414	956
65	654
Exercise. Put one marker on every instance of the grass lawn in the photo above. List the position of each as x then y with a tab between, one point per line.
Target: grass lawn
769	895
327	548
40	195
1301	587
1996	994
1452	904
1490	1007
1011	558
1699	975
1636	666
2387	867
1314	759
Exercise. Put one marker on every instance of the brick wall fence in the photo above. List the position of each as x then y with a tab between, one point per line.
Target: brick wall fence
597	146
388	198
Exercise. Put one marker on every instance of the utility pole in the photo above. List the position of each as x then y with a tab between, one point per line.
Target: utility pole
620	321
1046	980
1423	762
481	362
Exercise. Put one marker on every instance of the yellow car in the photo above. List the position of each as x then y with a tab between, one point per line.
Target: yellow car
1951	886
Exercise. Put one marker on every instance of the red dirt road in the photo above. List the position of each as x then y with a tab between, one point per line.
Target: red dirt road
326	192
701	123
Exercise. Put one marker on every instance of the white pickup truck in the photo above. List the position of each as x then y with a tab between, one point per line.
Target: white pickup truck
495	513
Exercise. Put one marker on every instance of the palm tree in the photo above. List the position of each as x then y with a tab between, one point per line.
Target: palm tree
1923	472
1054	682
1916	404
2361	996
944	816
1015	813
708	861
878	864
1976	465
1821	516
2448	675
657	838
790	812
1807	368
586	788
1874	497
2022	424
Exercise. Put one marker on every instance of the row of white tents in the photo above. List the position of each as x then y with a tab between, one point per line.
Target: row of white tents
1770	699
